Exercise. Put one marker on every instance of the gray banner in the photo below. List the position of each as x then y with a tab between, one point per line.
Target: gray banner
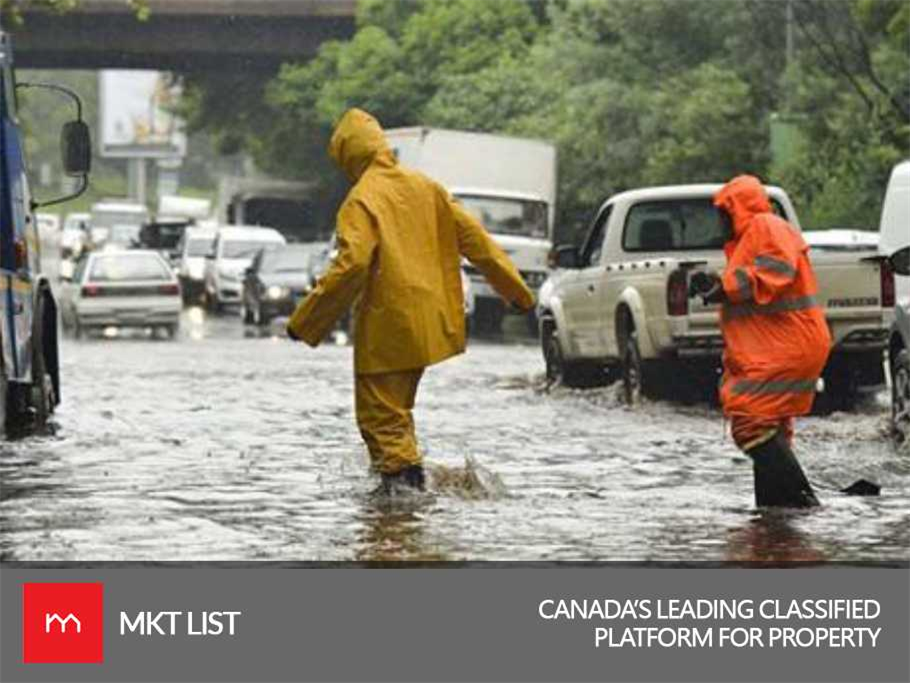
467	624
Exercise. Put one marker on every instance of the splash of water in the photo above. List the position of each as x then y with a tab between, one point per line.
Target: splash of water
471	482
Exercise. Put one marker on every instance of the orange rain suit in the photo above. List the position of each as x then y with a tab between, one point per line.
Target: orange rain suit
401	238
775	335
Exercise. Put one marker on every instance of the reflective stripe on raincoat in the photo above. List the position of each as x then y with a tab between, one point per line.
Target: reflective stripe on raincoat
775	335
401	238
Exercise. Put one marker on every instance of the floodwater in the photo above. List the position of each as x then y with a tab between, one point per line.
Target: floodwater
233	445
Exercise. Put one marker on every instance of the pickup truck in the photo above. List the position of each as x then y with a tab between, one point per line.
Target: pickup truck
619	302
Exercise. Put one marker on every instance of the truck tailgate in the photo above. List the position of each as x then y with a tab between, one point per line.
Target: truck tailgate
849	286
850	290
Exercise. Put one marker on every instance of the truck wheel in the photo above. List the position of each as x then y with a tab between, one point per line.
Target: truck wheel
553	359
841	389
900	398
246	313
488	315
632	371
5	421
574	375
42	390
532	323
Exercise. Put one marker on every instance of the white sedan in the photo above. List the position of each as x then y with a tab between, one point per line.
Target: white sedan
131	288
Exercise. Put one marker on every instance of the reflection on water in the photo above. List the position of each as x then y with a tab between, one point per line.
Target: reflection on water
771	536
395	529
232	443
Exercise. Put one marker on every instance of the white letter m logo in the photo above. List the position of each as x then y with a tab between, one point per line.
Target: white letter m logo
51	618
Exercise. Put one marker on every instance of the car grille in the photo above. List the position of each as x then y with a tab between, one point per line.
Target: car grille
533	278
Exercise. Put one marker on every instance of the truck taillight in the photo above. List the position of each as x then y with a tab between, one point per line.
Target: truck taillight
90	290
886	274
172	289
678	293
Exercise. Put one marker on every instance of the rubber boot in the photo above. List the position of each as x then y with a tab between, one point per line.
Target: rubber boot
411	476
779	479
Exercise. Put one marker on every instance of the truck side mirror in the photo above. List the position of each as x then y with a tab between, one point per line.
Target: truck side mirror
900	261
76	146
564	256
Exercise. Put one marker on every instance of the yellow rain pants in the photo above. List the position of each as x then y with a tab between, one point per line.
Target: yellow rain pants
384	405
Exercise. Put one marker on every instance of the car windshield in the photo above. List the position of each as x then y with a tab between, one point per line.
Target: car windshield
75	223
295	261
124	234
107	219
502	216
126	267
199	246
676	225
244	248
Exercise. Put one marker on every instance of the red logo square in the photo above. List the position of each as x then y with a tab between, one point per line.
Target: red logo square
62	623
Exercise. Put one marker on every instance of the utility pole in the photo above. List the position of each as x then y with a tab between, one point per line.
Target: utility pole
137	179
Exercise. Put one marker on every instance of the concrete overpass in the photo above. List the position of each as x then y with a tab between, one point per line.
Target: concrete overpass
181	35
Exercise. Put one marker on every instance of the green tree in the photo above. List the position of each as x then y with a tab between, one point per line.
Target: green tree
632	92
850	80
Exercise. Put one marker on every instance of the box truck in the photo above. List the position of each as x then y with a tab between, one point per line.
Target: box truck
508	183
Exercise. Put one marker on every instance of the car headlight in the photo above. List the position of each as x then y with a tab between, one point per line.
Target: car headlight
275	292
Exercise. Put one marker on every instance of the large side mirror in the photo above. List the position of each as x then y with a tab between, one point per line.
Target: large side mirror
564	256
76	146
900	261
75	143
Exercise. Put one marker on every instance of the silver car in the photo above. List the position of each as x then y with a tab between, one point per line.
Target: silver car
134	288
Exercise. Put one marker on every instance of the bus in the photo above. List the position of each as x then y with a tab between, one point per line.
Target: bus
29	357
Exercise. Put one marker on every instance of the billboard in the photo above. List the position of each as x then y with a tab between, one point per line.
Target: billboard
137	120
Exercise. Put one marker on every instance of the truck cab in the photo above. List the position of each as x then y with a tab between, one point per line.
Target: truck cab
519	224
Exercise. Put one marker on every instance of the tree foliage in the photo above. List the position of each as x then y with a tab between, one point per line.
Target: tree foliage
632	92
12	10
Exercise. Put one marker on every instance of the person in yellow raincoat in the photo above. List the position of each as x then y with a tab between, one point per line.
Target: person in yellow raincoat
401	238
776	340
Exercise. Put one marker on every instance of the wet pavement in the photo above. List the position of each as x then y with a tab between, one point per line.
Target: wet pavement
228	444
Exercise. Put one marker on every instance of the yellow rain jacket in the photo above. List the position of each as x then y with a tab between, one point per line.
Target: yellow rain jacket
401	237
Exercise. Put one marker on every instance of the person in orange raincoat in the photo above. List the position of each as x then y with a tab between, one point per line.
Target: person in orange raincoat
775	336
401	239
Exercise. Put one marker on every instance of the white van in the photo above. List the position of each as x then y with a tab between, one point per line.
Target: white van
895	235
894	229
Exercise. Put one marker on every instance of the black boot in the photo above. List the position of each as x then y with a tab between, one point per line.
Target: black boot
779	479
411	476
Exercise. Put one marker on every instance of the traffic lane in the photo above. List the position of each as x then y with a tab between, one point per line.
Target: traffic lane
234	443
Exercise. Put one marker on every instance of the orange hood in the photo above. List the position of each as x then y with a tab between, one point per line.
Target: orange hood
357	142
743	198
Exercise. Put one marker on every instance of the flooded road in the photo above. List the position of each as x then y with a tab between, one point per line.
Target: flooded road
228	445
